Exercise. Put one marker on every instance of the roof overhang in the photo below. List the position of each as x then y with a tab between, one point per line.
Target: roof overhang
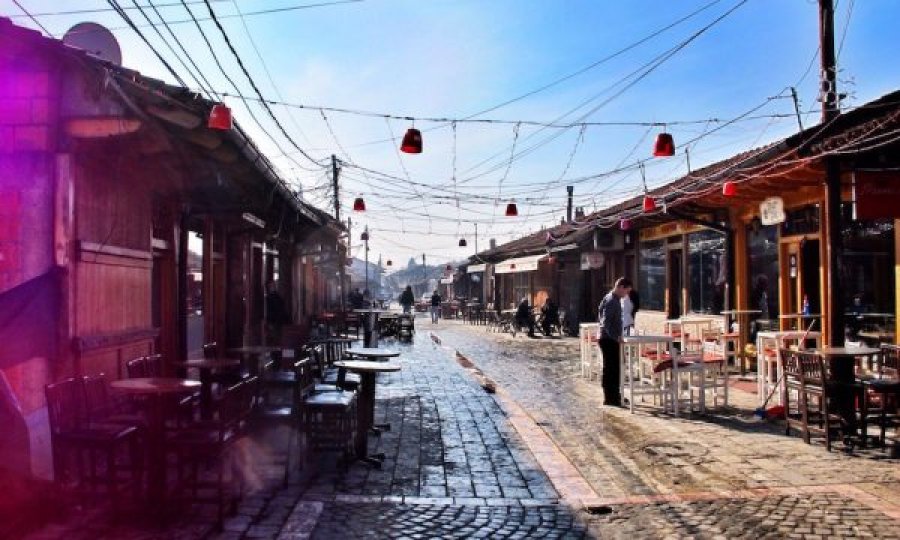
519	264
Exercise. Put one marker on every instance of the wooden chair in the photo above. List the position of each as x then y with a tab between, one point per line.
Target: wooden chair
329	420
806	377
213	443
72	435
406	328
881	395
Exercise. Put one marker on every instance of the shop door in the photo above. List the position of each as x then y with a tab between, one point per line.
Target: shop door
676	282
800	278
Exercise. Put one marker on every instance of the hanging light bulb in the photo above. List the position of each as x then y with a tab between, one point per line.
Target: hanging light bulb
664	146
625	224
365	236
649	203
359	205
462	242
729	189
512	210
220	117
412	142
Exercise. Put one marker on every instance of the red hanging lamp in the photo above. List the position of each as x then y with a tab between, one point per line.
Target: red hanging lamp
364	236
649	203
359	205
729	189
665	145
625	224
512	210
449	268
412	142
462	242
390	263
220	117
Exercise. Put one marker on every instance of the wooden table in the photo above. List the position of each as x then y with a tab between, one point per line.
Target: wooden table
207	366
630	358
366	407
841	362
254	352
800	317
155	390
372	352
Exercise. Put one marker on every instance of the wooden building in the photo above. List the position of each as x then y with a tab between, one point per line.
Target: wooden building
130	227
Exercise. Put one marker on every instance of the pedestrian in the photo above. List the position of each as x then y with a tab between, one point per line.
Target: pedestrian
609	320
524	317
435	307
631	302
407	299
549	316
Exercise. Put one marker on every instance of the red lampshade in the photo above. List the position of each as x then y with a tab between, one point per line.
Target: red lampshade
462	242
359	205
665	145
729	189
649	203
625	224
389	263
412	142
220	117
551	259
449	268
512	210
365	236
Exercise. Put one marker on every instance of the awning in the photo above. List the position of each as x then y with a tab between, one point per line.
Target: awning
519	264
476	268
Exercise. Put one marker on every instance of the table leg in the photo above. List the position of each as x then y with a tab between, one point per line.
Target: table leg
205	393
365	419
156	452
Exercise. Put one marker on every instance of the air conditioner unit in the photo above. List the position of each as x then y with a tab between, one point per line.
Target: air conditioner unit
608	240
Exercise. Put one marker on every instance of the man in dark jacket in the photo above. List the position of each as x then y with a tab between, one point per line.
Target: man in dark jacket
435	307
407	299
524	317
609	319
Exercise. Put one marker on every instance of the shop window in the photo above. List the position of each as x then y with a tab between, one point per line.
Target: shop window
707	271
801	221
652	275
762	259
868	269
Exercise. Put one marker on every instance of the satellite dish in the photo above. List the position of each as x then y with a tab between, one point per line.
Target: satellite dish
95	40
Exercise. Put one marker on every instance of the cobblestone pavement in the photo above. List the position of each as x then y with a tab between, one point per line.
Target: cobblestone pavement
647	464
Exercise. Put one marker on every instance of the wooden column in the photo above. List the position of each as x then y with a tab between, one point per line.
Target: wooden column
740	293
896	277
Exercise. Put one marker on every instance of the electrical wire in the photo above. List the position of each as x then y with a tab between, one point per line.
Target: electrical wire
115	5
31	16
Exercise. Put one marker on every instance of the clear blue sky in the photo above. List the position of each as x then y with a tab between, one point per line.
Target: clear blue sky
452	58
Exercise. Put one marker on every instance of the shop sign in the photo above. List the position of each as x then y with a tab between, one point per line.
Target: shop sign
592	260
771	211
877	196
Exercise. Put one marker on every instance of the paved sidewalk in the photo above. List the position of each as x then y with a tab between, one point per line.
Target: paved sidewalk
656	475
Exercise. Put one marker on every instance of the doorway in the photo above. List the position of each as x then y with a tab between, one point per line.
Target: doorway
676	282
800	277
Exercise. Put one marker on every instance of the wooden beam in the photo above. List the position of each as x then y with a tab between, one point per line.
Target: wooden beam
100	127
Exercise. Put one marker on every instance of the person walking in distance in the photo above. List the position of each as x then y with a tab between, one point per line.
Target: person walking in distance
407	299
435	307
609	320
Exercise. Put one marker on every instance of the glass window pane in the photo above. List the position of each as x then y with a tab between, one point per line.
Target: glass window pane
652	275
706	267
762	254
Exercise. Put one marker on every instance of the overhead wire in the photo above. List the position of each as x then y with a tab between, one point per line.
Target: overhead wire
33	17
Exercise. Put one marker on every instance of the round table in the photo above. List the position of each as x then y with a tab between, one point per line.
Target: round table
372	352
156	389
366	408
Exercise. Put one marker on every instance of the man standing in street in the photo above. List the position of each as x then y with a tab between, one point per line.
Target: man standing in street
435	307
407	299
609	319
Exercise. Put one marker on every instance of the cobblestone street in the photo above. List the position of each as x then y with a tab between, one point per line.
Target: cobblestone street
541	458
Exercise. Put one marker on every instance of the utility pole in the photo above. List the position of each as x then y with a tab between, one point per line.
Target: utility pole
342	270
476	237
830	111
366	240
424	275
797	107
